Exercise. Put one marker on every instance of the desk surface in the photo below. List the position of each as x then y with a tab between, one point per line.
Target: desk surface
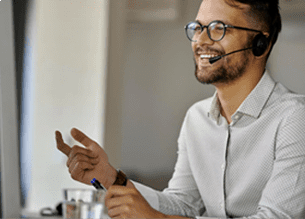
36	215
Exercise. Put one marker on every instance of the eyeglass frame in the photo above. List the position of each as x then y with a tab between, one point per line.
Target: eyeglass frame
216	21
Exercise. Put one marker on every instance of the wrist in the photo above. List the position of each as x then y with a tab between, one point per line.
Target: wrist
110	178
121	179
112	174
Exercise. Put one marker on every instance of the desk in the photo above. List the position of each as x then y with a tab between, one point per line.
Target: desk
36	215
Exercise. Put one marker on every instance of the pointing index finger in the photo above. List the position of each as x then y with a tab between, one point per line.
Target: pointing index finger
61	144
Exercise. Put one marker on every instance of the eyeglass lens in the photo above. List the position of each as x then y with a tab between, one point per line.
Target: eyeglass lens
215	31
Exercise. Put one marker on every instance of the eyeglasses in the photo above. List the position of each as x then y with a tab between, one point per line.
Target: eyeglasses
216	30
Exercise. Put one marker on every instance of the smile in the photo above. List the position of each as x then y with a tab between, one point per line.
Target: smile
207	56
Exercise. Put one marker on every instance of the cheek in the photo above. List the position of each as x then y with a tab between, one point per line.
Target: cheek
228	43
193	45
232	42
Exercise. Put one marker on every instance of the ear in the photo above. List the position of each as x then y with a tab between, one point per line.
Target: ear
267	48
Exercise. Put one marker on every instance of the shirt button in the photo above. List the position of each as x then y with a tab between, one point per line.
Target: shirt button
223	166
236	117
222	205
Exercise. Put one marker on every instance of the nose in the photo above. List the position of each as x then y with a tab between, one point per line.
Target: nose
204	38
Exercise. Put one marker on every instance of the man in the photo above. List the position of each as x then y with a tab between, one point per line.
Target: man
242	151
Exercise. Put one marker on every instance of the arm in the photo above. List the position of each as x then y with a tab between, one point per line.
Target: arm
129	203
284	194
87	163
92	162
180	198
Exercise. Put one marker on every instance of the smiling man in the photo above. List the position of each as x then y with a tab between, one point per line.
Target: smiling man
241	153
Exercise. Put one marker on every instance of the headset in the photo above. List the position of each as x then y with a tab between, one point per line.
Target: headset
259	46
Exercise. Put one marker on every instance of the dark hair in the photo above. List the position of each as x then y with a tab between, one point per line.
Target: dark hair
267	13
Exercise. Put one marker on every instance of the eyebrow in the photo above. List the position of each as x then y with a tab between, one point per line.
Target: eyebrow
227	22
224	21
198	21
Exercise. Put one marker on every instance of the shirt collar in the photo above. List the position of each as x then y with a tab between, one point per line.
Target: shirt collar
253	104
214	112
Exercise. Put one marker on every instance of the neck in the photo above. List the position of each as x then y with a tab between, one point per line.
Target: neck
232	95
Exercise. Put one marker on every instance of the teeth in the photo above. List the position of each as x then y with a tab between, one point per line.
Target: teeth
207	56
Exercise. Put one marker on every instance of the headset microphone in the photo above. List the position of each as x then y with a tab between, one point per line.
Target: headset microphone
215	59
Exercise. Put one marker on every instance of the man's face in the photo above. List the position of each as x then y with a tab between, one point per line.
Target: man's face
230	67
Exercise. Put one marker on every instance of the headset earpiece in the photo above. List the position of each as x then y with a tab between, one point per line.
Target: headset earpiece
260	44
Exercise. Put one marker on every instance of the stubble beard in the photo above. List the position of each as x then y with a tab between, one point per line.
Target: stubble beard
223	74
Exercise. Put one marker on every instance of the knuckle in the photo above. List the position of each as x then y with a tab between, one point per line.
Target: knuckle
110	213
74	149
77	157
76	154
73	176
78	165
131	199
81	165
126	208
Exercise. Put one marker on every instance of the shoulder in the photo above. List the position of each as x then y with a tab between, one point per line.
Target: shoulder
195	116
287	102
289	108
200	107
197	113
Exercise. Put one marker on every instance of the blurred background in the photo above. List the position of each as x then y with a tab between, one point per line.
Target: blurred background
122	72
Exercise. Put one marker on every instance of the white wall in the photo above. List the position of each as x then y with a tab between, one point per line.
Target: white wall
67	43
159	86
287	61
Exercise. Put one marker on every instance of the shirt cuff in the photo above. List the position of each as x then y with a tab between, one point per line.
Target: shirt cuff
149	194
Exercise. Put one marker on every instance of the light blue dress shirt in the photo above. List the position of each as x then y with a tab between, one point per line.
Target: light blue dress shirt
252	168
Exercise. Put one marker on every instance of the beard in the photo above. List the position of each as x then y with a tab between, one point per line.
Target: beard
226	73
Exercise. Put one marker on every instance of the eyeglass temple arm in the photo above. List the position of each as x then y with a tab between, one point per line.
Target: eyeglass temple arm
243	28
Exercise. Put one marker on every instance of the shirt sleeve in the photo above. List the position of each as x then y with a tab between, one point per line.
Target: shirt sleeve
284	194
149	194
182	196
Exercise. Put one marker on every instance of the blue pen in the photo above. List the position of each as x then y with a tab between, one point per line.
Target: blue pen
97	184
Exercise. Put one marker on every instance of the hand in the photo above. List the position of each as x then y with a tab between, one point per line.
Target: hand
86	163
125	202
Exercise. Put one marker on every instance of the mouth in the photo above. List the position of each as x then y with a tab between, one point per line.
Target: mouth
203	59
207	56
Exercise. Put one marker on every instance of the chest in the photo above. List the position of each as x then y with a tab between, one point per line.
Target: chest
232	163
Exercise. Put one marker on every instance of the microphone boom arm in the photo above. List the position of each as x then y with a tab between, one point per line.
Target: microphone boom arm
215	59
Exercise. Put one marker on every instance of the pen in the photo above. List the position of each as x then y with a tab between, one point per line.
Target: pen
97	184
